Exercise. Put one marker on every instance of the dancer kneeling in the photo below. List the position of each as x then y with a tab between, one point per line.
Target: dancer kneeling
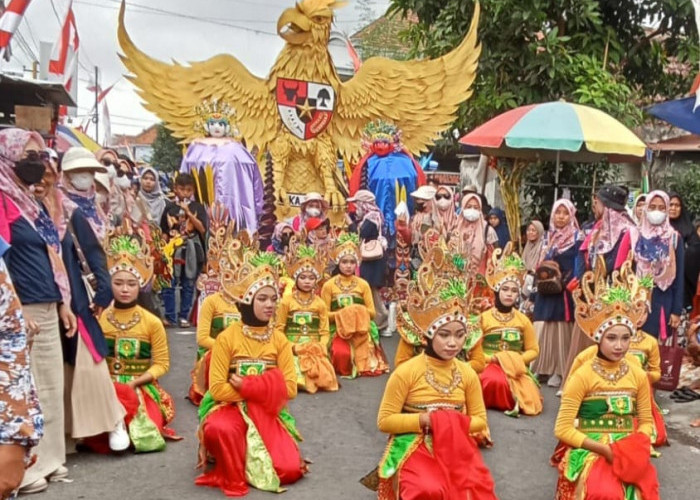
509	341
137	345
605	418
245	427
355	348
432	405
302	317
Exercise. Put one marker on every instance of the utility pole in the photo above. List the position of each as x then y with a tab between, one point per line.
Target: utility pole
96	116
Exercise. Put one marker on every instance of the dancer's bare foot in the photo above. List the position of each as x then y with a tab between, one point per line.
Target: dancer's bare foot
695	423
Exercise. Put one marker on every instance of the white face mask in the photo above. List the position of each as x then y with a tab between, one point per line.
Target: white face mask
122	182
82	181
471	214
656	217
313	212
444	204
112	172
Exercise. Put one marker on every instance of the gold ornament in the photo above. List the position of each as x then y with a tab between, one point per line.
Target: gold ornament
442	388
505	265
245	270
126	249
612	377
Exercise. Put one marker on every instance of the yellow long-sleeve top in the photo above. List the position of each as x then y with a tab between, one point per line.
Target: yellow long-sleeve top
592	351
341	291
136	341
406	351
240	343
646	349
408	393
301	321
215	315
585	384
517	334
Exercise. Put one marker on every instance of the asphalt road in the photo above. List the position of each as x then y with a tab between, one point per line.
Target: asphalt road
342	440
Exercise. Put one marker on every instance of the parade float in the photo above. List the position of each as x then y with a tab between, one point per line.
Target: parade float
301	113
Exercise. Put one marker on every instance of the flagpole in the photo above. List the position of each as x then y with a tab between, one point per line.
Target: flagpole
96	118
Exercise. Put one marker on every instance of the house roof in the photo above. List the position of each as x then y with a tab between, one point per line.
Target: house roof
16	90
684	143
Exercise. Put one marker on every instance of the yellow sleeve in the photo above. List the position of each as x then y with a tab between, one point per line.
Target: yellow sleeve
474	401
206	314
390	419
530	344
574	392
327	296
646	421
219	386
487	358
654	362
588	353
367	297
477	358
285	362
282	312
324	327
160	356
404	352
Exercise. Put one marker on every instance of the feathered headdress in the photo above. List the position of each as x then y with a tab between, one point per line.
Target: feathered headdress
214	110
245	271
126	250
381	131
300	258
602	304
505	265
346	244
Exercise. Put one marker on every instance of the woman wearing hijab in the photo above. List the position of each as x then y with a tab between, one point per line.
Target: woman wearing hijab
554	312
446	212
41	282
151	195
497	220
691	270
281	236
680	218
637	212
533	247
314	205
476	234
659	254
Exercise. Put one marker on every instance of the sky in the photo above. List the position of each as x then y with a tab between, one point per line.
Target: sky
184	30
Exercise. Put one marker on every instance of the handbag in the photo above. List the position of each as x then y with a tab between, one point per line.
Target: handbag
371	250
671	360
143	432
89	280
548	278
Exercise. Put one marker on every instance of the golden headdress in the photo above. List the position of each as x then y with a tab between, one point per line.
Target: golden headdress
440	294
602	304
346	244
300	258
245	271
126	250
505	265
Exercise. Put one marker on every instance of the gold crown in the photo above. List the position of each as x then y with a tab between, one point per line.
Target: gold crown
346	244
440	294
505	265
245	271
127	250
218	111
602	304
302	258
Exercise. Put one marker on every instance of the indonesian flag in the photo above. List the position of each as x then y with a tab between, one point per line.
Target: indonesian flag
10	18
64	57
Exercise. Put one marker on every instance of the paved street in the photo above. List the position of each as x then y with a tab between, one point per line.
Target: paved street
342	440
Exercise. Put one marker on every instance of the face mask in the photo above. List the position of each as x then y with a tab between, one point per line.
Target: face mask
122	182
444	204
82	181
656	217
313	212
471	214
111	171
30	171
101	198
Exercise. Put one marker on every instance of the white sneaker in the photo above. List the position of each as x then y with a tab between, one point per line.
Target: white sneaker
119	438
554	381
385	333
37	486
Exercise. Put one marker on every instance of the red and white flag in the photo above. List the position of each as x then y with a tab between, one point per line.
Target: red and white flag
10	19
64	57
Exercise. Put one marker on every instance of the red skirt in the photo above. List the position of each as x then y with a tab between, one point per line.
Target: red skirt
224	437
341	357
495	387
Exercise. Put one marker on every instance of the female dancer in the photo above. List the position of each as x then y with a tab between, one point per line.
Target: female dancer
244	426
509	341
605	417
432	404
355	348
302	317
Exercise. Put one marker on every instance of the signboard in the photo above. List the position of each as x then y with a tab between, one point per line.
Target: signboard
34	118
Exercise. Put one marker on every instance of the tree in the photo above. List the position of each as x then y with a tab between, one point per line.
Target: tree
167	153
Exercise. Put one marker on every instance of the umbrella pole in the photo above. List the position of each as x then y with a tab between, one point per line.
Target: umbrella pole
556	179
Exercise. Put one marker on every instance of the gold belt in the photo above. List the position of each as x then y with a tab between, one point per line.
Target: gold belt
422	408
607	423
250	366
120	366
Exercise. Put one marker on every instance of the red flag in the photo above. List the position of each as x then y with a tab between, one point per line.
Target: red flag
65	50
10	19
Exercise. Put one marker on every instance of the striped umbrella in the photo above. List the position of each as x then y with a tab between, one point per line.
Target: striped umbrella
557	131
67	137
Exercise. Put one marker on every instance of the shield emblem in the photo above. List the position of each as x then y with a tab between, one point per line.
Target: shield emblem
305	107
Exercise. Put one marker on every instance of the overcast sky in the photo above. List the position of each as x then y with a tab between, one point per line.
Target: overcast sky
186	30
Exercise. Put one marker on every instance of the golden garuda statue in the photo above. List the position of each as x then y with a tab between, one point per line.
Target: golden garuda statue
302	113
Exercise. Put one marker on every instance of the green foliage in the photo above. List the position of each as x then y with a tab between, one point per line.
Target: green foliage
306	252
265	259
167	153
685	180
126	244
615	294
345	237
454	288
